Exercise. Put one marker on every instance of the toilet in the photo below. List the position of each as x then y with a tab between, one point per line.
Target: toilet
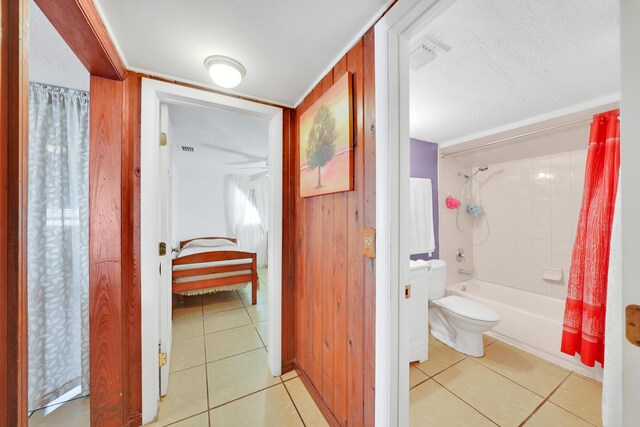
456	321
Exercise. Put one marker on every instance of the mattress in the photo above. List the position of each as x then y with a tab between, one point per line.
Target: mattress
200	249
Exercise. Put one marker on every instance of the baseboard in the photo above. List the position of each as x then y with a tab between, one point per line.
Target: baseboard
324	409
287	366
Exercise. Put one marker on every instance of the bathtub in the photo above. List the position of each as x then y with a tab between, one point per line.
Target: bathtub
530	321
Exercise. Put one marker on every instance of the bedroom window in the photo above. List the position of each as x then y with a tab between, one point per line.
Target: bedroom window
251	216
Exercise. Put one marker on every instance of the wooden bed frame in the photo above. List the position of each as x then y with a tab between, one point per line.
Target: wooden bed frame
205	257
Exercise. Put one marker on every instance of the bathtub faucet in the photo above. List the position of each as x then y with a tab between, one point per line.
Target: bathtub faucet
465	272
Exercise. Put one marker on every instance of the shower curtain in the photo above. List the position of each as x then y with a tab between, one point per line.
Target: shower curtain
58	243
585	310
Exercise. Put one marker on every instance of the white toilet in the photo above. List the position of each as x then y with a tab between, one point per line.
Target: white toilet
455	321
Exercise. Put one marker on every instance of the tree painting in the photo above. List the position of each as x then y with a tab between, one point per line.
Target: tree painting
325	138
322	141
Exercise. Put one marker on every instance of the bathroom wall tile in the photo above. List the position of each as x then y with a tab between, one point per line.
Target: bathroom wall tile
560	161
541	232
542	218
561	232
542	191
538	163
561	190
541	206
562	176
579	158
560	205
542	287
541	246
563	262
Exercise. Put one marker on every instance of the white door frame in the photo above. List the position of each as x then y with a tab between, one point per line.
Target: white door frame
153	93
404	22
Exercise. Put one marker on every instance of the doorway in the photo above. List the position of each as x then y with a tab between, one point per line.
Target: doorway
180	113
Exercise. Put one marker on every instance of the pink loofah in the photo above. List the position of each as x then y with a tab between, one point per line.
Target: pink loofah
452	202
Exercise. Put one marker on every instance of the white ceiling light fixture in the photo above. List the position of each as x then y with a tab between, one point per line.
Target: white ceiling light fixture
224	71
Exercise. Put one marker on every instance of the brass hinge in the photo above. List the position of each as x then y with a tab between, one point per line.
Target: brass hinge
162	359
407	291
162	249
163	139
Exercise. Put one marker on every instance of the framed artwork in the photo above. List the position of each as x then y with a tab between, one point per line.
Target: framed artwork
326	141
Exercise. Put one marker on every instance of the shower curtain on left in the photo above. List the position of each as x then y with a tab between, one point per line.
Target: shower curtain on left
58	230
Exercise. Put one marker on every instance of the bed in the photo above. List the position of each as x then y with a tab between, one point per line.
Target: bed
213	264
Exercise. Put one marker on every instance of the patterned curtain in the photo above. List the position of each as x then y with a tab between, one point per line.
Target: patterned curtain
585	311
58	230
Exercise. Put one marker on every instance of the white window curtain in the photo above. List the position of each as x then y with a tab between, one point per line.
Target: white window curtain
58	243
260	192
243	218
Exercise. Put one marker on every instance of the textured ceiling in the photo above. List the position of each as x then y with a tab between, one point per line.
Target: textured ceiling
512	60
285	45
224	141
51	61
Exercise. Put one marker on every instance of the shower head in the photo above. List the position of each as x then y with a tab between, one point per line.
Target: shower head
480	169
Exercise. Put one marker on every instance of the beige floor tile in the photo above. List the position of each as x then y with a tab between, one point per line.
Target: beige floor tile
268	408
223	320
75	413
552	415
262	331
191	307
261	297
416	376
217	304
258	313
187	328
433	405
231	342
581	397
440	357
289	375
529	371
309	412
504	402
187	396
486	340
200	420
187	353
245	290
238	376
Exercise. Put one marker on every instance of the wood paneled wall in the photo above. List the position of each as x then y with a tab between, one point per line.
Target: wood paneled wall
334	283
114	224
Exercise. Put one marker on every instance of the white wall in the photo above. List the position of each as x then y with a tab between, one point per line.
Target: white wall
451	238
198	204
531	208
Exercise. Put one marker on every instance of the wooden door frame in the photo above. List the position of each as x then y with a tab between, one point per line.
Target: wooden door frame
114	189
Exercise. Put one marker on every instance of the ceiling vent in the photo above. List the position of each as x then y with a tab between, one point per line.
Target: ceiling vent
187	149
425	51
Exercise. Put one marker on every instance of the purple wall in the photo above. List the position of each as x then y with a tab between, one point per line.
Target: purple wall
424	164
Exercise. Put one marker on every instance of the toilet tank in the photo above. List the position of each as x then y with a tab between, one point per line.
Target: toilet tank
437	278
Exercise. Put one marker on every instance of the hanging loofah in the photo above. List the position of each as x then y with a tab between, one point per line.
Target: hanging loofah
452	202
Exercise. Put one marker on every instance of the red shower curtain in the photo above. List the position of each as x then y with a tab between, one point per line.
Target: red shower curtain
584	316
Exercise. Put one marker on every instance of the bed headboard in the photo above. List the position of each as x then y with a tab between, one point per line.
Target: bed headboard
184	242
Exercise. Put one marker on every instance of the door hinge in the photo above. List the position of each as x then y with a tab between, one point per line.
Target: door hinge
162	359
162	249
163	139
407	292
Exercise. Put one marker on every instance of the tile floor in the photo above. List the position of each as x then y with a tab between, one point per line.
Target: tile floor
219	377
219	373
506	387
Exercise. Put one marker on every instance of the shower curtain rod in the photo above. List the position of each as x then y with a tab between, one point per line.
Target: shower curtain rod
511	138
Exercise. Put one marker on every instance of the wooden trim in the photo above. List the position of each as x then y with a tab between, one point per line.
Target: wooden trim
14	128
131	244
80	25
231	239
211	283
213	256
208	270
315	395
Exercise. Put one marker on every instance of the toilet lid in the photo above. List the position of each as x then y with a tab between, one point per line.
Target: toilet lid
468	308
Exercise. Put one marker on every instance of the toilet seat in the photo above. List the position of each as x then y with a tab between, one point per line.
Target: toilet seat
467	308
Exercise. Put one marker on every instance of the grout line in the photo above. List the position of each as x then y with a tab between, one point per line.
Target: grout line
294	404
233	355
561	407
515	382
441	371
184	419
546	399
464	401
246	395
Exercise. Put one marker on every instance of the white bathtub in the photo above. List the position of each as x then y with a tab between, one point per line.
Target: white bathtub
529	321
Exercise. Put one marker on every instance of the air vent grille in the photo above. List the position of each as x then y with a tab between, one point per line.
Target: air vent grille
187	149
